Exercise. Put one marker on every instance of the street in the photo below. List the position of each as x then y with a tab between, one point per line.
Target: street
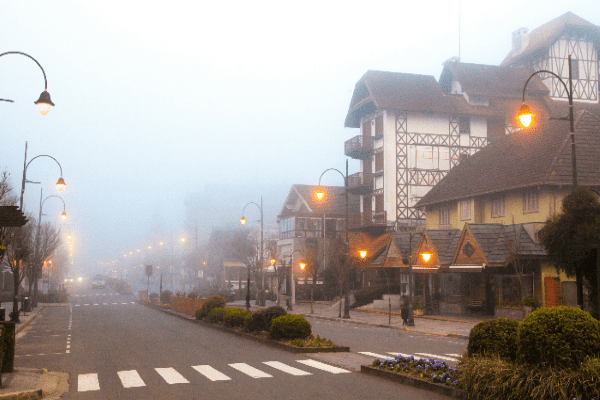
115	348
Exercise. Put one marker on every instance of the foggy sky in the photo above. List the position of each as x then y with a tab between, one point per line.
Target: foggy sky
158	99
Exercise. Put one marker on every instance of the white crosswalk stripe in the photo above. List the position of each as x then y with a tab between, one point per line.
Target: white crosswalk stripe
435	356
87	382
324	367
171	376
286	368
416	355
250	371
131	379
211	373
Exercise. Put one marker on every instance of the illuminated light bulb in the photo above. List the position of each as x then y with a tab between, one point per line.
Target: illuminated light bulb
60	184
526	117
319	194
44	104
243	221
426	256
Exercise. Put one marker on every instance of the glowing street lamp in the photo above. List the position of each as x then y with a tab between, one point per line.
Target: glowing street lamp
426	256
363	254
526	116
243	222
60	184
319	194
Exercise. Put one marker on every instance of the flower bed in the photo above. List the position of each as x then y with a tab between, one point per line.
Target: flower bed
422	368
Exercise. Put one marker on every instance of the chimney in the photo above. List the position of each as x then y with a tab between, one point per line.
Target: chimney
520	40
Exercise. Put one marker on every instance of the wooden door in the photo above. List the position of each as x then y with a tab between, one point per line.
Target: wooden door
552	289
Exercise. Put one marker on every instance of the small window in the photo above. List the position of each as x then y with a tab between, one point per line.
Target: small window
465	210
444	218
464	125
463	156
498	207
574	68
531	202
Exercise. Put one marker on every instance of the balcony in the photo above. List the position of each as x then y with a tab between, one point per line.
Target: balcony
360	183
359	147
367	221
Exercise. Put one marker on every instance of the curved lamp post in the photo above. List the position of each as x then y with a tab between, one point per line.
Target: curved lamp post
320	196
44	103
243	222
526	118
60	184
37	236
292	286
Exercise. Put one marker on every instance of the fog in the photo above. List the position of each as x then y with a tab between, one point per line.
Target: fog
159	100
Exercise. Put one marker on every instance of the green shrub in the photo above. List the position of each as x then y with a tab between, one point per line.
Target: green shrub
165	296
209	304
217	314
528	301
54	297
290	326
153	297
496	378
235	317
494	337
559	336
367	295
261	319
247	319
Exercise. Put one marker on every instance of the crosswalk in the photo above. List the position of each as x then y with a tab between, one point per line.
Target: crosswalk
446	357
104	304
132	379
96	295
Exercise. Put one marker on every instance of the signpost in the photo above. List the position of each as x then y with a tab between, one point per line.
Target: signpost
148	274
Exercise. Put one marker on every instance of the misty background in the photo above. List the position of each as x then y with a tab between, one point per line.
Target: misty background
213	103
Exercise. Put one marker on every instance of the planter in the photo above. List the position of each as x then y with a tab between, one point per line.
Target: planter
513	313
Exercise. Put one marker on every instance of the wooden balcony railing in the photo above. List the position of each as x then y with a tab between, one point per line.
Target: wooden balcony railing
359	147
367	220
360	183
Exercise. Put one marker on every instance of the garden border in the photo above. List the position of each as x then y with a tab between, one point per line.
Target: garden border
416	382
265	341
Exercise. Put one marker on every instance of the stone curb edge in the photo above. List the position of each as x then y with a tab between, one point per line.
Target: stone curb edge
415	382
268	342
25	395
20	327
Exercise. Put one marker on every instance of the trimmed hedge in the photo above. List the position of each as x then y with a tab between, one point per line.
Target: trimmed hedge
558	337
217	314
153	297
54	297
261	319
494	337
235	317
209	304
165	296
290	326
367	295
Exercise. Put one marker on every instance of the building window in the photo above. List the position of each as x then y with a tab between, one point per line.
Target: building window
379	162
464	125
465	210
531	202
444	218
286	228
498	207
574	68
309	227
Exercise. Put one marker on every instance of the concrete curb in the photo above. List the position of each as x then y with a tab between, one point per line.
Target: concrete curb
21	326
415	382
24	395
268	342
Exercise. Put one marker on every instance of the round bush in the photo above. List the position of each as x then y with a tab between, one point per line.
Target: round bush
234	317
290	326
165	296
494	337
209	304
559	336
153	297
247	319
217	314
261	319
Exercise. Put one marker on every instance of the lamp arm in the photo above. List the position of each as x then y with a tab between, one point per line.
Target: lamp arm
549	72
244	209
330	169
45	155
36	61
64	207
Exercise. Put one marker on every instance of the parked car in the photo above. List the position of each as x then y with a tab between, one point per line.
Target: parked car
98	282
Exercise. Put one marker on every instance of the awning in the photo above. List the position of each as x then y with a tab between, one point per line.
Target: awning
425	270
466	268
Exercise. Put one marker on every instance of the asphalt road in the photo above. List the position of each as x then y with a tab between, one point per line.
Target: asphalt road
114	348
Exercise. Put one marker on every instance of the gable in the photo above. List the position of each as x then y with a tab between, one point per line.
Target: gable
469	252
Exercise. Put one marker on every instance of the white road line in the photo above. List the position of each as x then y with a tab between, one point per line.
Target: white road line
115	303
401	354
104	304
87	382
124	303
250	371
77	305
131	379
86	304
453	355
171	376
96	304
323	366
286	368
380	356
211	373
435	356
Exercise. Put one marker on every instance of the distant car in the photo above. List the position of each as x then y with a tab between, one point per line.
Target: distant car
98	282
69	279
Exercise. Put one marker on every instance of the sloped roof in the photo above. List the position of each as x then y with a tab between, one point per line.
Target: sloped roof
407	242
531	157
301	200
382	90
491	80
444	242
542	37
11	216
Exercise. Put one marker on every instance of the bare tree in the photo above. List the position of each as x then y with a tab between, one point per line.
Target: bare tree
6	199
244	248
46	242
337	259
17	256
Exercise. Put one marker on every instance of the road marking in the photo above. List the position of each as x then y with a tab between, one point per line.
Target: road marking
250	371
323	366
77	305
124	303
87	382
131	379
171	376
96	304
436	356
382	357
211	373
286	368
401	354
86	304
104	304
115	303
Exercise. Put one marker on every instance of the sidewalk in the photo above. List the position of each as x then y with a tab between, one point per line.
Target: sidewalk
31	383
458	326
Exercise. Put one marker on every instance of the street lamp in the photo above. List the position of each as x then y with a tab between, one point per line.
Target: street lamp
44	103
60	184
243	222
320	195
292	285
526	118
37	238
